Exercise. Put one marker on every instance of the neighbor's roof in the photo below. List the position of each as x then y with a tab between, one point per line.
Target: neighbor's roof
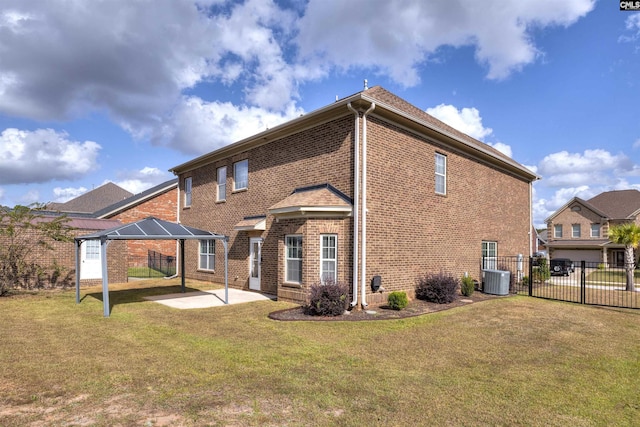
388	106
152	229
136	199
618	204
94	200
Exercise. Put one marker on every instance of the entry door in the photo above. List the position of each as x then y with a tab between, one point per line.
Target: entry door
90	267
619	257
255	259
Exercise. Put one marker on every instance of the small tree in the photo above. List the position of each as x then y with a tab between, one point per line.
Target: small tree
22	231
627	234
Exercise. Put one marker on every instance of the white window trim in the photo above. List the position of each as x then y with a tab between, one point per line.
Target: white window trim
575	235
490	261
211	244
598	234
556	228
438	174
235	175
188	185
221	178
287	259
332	260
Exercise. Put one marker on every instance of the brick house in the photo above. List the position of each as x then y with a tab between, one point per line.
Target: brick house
579	230
160	202
369	178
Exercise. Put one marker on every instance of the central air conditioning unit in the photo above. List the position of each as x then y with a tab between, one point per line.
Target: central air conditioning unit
496	282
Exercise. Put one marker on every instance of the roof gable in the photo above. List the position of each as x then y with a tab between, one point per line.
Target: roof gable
136	199
93	200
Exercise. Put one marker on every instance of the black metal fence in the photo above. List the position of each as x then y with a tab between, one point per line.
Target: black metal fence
574	281
155	264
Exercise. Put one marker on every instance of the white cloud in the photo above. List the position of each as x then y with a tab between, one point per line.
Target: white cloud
140	180
62	195
503	148
582	166
466	120
632	24
395	38
44	155
197	127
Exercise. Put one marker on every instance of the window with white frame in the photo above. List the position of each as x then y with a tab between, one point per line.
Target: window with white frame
92	249
207	255
489	255
575	230
441	174
241	175
557	230
187	192
222	184
595	230
328	258
293	259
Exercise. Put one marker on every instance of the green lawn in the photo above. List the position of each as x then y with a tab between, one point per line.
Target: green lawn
508	361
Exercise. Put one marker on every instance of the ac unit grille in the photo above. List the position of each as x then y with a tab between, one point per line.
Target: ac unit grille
496	282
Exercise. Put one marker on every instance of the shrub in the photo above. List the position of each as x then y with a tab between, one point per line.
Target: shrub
397	300
541	272
467	286
327	299
440	288
525	281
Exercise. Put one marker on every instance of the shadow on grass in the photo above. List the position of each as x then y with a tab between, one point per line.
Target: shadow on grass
127	296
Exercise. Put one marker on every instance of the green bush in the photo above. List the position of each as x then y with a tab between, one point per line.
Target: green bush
541	272
327	299
440	288
467	286
397	300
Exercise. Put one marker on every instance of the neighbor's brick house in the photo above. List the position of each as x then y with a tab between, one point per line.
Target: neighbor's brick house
160	202
579	230
430	197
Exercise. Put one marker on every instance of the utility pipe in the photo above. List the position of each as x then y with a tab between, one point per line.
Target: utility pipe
356	195
363	265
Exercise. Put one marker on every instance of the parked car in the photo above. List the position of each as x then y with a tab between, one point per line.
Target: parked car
561	267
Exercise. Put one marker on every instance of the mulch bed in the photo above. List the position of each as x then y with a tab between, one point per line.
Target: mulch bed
416	307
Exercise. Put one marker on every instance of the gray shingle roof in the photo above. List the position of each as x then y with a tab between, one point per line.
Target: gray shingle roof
94	200
618	204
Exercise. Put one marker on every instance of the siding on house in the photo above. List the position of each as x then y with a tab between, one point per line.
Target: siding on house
411	230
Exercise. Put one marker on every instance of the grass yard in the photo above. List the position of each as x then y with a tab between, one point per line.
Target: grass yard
508	361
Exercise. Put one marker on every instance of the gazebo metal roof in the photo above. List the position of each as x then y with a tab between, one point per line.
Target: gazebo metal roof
148	229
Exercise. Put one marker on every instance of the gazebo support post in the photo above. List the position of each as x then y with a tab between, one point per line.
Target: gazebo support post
78	244
182	265
105	276
225	243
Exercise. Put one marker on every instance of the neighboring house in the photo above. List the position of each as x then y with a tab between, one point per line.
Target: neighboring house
539	240
368	186
92	201
160	202
579	230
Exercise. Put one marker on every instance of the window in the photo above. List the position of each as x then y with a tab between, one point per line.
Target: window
575	230
441	174
207	255
293	258
241	175
557	230
328	257
222	184
187	192
489	255
92	249
595	230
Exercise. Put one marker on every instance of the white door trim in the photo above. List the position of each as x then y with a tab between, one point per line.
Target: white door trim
255	262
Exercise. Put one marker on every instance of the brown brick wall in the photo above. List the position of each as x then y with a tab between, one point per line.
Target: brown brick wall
411	230
585	217
162	207
63	253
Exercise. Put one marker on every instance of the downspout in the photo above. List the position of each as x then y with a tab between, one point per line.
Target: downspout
356	195
532	227
363	265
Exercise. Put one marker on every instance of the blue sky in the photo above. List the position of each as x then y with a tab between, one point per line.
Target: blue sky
123	90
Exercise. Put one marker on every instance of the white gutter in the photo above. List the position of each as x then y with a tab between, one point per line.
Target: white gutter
363	266
356	195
